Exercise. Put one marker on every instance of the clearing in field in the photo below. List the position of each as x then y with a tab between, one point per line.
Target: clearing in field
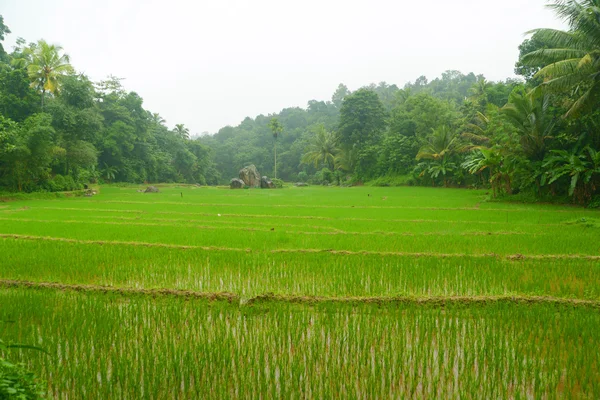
303	292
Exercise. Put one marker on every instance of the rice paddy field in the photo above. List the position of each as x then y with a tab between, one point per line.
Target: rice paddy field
302	293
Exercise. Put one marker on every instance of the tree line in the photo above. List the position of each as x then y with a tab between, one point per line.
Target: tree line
59	130
536	137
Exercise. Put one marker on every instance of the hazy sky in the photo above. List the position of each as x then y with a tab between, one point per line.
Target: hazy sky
211	63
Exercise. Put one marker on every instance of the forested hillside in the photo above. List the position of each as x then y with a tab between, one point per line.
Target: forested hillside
372	132
538	135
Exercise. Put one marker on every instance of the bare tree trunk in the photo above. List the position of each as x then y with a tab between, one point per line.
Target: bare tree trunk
275	158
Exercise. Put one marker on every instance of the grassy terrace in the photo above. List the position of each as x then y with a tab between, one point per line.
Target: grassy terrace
303	292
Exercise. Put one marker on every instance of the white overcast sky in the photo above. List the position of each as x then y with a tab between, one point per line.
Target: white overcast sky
211	63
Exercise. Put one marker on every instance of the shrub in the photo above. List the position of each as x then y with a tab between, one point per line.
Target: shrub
16	382
302	176
277	182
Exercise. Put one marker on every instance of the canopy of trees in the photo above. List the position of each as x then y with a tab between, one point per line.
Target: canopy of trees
59	130
538	135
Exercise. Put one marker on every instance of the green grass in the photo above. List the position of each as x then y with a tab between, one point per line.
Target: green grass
312	243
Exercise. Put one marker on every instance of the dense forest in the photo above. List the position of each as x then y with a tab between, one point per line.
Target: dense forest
537	136
59	130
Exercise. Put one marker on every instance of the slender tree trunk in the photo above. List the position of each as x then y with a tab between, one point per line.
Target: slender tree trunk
275	158
43	95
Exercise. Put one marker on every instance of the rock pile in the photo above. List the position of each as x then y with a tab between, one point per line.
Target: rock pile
250	176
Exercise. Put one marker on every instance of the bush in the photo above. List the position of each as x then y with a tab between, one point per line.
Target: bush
277	182
302	176
57	184
324	176
16	382
62	184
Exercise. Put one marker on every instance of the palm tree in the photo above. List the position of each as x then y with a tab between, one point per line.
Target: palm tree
156	118
476	130
323	149
346	159
530	116
277	130
438	148
45	66
572	61
440	144
182	131
479	92
491	160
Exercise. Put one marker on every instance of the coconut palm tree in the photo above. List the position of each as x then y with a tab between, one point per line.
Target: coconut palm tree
572	61
438	149
182	131
156	118
276	129
46	66
322	150
440	144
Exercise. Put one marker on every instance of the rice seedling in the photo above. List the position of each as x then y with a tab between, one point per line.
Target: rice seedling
302	293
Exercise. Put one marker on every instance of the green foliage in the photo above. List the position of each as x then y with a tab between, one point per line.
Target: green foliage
570	60
362	119
455	130
45	65
302	176
279	184
17	383
322	150
87	131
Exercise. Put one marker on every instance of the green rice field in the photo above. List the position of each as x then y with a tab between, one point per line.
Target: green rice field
315	292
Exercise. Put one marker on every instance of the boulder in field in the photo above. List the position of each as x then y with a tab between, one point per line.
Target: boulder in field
266	183
151	189
236	184
300	184
250	176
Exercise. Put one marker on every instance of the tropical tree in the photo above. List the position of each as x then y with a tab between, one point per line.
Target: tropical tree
492	161
182	131
533	121
46	66
438	149
3	31
440	144
322	149
362	119
156	118
572	59
346	159
276	129
109	172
